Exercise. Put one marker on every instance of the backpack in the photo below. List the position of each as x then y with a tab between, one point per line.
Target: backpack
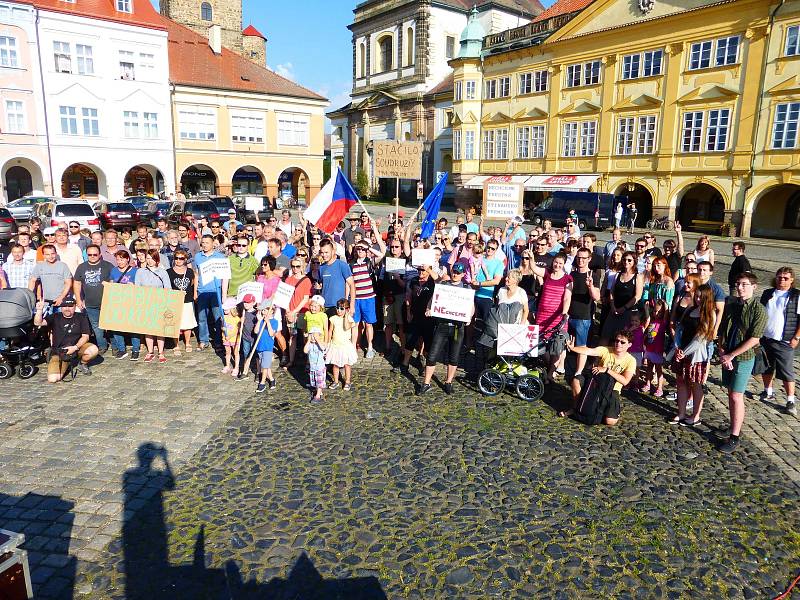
595	399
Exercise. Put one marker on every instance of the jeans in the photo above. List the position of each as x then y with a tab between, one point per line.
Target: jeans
245	351
118	342
209	313
100	334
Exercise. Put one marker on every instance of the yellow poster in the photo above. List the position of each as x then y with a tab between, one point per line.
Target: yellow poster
143	310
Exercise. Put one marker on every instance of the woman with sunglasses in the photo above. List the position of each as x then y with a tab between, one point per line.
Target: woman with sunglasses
624	296
151	274
183	279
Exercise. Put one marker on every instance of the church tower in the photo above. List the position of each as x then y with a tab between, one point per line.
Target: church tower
199	15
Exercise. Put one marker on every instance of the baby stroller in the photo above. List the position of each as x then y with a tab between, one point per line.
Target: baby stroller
22	345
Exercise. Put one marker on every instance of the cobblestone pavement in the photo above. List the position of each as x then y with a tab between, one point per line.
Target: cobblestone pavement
379	493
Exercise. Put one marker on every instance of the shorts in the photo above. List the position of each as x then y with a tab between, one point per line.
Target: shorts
365	311
316	377
579	328
446	342
655	358
265	359
780	359
639	356
736	379
416	331
393	311
56	366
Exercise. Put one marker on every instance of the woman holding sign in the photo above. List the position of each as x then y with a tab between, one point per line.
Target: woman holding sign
153	275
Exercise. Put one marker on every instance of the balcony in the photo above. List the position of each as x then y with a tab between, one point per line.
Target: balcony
531	34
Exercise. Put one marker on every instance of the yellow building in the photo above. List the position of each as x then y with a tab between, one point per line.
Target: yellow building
239	127
690	108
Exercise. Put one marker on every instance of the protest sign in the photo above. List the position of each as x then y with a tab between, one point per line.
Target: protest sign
283	295
251	287
423	256
140	309
516	340
451	302
217	268
254	203
395	265
397	159
502	197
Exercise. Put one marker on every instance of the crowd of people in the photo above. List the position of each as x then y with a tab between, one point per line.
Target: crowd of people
630	313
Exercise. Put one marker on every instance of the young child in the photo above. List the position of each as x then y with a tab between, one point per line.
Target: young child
654	341
341	352
230	332
248	312
266	343
315	350
636	327
316	317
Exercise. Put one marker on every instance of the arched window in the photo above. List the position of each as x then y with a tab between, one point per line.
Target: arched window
409	46
206	12
385	44
362	60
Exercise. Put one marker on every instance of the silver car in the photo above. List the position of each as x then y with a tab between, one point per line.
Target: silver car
22	208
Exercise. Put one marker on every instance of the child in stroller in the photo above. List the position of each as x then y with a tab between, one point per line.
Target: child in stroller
20	343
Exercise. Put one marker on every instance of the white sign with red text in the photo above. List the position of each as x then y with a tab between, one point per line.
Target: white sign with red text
516	340
454	303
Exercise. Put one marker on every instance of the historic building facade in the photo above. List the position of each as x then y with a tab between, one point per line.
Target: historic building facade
402	84
690	109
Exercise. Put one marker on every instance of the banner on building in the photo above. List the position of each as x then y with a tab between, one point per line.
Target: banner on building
401	160
142	310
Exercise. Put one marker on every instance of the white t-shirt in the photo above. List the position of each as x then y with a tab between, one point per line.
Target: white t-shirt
519	296
775	317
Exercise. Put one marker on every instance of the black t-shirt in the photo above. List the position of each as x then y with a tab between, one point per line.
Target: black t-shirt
674	262
183	283
580	307
92	278
67	332
421	294
739	265
655	252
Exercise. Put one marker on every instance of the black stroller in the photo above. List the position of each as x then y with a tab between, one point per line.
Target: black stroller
22	343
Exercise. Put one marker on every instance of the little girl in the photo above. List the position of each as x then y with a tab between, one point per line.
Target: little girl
341	352
315	350
230	332
637	343
654	347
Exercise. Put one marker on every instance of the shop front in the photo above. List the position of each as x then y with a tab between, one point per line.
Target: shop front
198	180
80	181
138	182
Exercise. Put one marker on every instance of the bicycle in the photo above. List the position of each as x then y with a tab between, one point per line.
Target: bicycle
664	223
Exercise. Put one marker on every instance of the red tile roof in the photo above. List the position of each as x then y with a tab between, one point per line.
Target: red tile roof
444	86
143	15
192	62
563	7
250	30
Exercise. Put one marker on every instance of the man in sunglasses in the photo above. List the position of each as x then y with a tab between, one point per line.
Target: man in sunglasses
87	286
75	236
243	267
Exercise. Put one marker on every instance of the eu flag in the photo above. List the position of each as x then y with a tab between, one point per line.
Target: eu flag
431	207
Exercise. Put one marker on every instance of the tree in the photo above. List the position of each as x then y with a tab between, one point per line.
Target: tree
362	183
326	170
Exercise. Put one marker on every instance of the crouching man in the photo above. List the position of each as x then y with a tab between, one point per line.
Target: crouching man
69	339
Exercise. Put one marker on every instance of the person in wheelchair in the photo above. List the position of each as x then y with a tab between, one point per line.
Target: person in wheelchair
70	333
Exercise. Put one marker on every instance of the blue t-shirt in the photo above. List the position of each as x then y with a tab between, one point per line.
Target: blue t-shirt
472	228
118	277
334	278
719	293
289	251
267	342
199	259
494	268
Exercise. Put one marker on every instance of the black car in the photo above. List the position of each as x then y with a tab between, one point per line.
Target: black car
154	210
556	209
138	201
264	213
179	213
223	204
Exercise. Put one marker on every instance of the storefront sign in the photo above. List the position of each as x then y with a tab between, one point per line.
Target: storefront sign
502	199
516	340
454	303
140	309
283	295
397	159
218	268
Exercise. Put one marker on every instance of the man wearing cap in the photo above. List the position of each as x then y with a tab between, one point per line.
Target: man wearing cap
54	276
232	219
69	339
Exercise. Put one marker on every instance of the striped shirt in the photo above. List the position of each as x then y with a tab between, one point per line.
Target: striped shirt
362	280
18	274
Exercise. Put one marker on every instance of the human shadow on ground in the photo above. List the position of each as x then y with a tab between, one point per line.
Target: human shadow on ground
150	576
46	522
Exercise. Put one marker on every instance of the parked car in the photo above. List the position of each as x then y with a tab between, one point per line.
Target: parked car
8	226
557	207
196	208
154	210
63	210
22	208
117	214
249	216
138	201
223	204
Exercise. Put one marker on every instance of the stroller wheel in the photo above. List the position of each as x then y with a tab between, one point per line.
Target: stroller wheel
6	371
26	371
530	388
491	382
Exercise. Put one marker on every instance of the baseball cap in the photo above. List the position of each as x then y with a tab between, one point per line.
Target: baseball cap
518	219
249	298
49	230
230	303
231	211
401	214
68	301
317	299
458	268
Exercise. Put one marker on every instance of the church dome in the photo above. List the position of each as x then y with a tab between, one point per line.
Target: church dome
472	37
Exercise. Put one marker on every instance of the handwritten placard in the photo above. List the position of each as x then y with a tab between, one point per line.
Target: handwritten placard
251	287
283	295
516	340
216	268
451	302
141	309
397	159
254	203
421	257
395	265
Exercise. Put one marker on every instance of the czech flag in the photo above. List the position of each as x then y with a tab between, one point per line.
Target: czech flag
331	205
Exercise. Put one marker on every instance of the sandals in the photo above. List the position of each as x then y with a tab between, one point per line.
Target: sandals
149	357
189	349
176	351
226	370
200	347
676	420
162	359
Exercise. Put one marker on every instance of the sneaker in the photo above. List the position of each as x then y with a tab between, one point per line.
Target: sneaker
102	351
84	369
730	445
162	359
425	387
134	355
272	384
766	395
120	354
448	388
659	393
791	409
315	400
370	353
334	386
404	369
240	376
723	434
347	387
148	358
262	387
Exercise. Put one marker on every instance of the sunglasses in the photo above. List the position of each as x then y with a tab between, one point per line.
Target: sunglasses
396	246
241	245
92	254
297	266
362	249
303	254
74	226
49	235
340	308
623	341
180	258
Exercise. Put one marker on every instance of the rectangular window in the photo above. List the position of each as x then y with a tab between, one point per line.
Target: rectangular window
247	128
63	57
724	50
130	121
646	134
147	64
579	139
150	125
651	63
491	89
292	131
700	55
469	145
85	60
645	64
630	66
636	135
573	76
91	122
69	122
523	142
126	65
530	141
8	52
537	141
470	90
625	127
457	91
124	6
784	131
450	47
583	74
15	116
569	143
692	131
501	147
488	144
717	133
588	138
198	123
498	88
457	144
533	82
727	51
792	40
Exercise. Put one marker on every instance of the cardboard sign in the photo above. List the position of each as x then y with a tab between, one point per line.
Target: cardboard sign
516	340
502	200
254	203
251	287
283	295
451	302
401	160
395	265
421	257
140	309
217	268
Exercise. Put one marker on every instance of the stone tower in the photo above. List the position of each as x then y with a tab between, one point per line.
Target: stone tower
199	15
255	46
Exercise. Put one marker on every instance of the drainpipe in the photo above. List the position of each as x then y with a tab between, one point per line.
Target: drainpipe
44	105
175	179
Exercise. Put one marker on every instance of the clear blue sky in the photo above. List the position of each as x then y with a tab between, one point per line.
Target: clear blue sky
308	41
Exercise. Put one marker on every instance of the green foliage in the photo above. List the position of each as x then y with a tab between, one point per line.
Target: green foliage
362	183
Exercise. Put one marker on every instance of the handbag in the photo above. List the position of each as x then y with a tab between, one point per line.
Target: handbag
761	365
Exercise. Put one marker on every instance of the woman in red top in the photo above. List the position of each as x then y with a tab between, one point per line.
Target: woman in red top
554	300
298	305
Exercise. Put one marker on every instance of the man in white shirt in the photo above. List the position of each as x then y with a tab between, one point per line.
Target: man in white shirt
286	224
69	253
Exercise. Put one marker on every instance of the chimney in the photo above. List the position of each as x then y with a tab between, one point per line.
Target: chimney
215	39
